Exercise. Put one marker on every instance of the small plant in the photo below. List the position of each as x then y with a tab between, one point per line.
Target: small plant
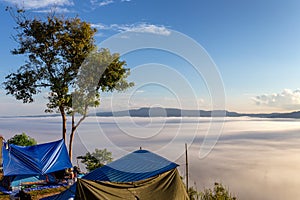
219	192
193	193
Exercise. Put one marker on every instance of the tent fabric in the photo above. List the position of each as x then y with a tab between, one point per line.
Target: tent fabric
165	186
35	160
136	166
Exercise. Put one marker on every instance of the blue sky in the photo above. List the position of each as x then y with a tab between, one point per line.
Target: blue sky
254	44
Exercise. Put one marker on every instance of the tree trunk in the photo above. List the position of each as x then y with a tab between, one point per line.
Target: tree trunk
72	137
71	144
74	127
64	123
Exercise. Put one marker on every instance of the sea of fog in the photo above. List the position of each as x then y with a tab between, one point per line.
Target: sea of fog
255	158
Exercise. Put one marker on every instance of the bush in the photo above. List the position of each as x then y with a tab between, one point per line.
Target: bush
219	192
22	140
193	193
96	159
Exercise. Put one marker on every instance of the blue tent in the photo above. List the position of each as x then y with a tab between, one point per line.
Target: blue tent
33	163
135	166
138	165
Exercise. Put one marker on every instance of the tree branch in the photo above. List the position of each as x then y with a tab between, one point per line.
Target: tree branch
74	127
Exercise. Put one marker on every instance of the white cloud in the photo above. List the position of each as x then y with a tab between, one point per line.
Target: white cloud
100	26
137	28
101	3
55	10
147	28
287	99
35	4
105	2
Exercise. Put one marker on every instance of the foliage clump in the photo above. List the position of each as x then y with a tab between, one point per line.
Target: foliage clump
96	159
219	192
22	140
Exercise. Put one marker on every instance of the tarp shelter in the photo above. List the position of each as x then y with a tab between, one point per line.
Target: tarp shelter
167	185
140	172
33	163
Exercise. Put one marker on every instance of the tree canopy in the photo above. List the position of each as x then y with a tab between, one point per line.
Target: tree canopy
61	54
96	159
22	140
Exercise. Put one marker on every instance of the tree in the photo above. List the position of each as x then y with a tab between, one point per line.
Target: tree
22	140
96	159
61	53
219	192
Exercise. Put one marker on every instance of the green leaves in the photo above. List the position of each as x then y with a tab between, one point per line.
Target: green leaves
219	192
22	140
96	159
22	85
101	71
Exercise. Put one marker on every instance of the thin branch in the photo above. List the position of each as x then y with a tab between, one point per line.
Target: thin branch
81	119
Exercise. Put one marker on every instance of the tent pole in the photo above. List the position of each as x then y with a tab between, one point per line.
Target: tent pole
186	169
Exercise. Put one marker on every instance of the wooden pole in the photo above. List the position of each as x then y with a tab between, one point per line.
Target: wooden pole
186	168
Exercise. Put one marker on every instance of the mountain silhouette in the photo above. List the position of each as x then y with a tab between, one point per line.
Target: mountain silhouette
175	112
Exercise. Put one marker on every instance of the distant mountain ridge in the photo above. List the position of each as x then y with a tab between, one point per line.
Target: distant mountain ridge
175	112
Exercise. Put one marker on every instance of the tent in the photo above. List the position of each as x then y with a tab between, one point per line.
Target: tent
163	186
33	164
138	175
